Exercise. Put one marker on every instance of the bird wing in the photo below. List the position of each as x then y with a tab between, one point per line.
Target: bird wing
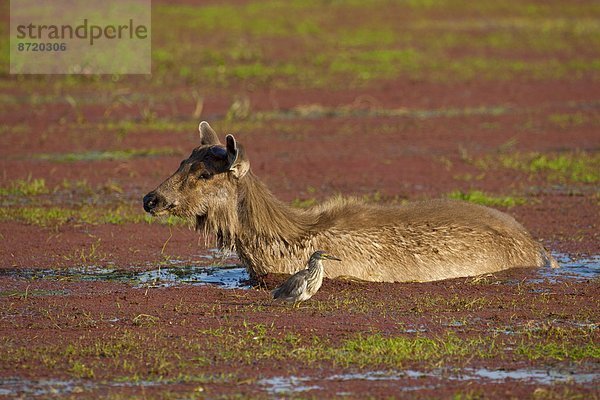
293	287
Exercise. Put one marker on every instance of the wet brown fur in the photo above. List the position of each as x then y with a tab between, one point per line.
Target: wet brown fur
421	241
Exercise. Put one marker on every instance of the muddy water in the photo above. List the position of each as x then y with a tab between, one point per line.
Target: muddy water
573	268
25	388
220	270
280	385
229	277
224	273
294	384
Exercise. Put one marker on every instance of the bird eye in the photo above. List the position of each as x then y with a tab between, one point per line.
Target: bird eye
205	175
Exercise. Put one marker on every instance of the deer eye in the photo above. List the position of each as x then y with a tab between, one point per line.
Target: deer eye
205	175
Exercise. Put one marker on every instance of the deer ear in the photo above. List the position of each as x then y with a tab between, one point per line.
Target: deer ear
232	150
207	134
236	159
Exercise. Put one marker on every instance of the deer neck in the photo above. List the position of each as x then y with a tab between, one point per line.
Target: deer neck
262	215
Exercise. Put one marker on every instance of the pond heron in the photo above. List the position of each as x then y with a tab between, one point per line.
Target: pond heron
304	284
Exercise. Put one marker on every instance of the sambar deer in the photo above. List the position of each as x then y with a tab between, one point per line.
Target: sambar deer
421	241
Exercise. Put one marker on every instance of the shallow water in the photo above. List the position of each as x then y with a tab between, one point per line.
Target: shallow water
27	388
220	271
533	375
280	385
43	387
225	274
573	268
293	384
229	277
538	376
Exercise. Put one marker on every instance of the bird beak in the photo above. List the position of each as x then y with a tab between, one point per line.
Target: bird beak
327	256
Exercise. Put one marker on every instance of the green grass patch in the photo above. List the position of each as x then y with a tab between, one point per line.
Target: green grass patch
23	294
138	352
81	370
576	167
570	120
366	36
37	215
562	350
14	129
92	215
333	51
356	43
264	342
107	155
316	111
376	349
480	197
73	193
377	64
25	187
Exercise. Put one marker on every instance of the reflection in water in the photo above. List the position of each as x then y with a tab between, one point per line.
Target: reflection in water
407	380
230	277
223	273
582	268
293	384
27	388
